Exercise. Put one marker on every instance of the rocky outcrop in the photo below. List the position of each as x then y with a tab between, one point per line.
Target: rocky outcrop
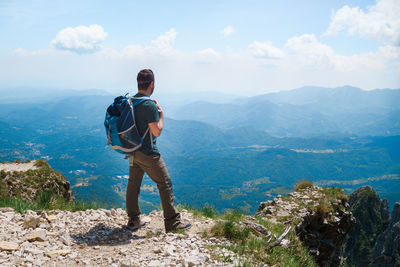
386	251
372	218
395	214
321	217
28	180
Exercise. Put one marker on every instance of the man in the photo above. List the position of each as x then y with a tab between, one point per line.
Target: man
149	114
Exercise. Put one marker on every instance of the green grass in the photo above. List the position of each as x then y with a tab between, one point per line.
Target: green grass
150	234
335	193
179	231
47	200
303	184
205	211
41	163
254	248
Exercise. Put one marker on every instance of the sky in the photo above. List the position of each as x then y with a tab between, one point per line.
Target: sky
234	47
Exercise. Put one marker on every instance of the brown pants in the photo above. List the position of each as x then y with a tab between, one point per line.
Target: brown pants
156	169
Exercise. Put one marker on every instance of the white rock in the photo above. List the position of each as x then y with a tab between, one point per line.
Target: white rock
113	212
6	209
73	255
95	217
120	211
191	261
66	240
154	263
52	218
37	235
29	258
59	252
42	225
8	246
285	243
37	263
145	219
33	251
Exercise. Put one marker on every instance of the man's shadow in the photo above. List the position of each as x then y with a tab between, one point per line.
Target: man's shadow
102	234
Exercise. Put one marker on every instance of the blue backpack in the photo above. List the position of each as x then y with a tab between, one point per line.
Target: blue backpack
121	129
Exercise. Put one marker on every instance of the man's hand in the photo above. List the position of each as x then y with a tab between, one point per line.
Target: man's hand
156	127
158	106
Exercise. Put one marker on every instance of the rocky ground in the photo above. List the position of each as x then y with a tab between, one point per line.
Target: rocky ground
17	167
99	238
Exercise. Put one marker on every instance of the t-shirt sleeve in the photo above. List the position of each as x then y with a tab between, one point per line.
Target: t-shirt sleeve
151	112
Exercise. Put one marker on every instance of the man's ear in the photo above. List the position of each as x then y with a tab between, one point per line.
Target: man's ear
150	86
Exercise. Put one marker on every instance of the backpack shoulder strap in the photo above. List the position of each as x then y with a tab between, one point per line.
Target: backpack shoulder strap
138	100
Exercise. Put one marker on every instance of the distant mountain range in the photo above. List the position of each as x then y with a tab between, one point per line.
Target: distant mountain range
305	112
42	95
231	155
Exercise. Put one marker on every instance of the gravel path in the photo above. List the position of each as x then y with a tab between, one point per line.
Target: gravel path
99	238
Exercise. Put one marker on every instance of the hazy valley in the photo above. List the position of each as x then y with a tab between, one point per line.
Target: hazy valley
227	152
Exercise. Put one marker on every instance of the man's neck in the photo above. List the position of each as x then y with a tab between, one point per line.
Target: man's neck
145	92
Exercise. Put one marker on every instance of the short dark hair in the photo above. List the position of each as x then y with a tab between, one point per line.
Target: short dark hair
144	78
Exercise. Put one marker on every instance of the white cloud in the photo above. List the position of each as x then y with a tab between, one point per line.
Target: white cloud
309	51
265	50
81	39
228	30
207	55
379	22
261	67
307	44
165	42
163	45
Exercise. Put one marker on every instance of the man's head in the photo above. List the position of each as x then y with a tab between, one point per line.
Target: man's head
145	80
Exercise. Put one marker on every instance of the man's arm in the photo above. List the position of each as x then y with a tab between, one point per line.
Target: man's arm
157	126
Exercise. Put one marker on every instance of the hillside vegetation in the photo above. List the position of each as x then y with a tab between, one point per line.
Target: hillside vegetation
38	188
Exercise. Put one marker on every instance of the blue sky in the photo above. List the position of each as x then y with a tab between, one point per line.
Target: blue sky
239	47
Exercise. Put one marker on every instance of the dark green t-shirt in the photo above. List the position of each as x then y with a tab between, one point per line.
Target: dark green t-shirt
145	113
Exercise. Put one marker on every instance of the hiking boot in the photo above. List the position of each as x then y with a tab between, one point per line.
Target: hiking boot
181	226
135	224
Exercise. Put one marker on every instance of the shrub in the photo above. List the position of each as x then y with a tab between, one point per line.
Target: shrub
323	207
41	163
254	247
208	211
304	184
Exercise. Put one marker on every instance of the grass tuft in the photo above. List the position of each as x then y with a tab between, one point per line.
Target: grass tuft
304	184
206	211
323	208
47	200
